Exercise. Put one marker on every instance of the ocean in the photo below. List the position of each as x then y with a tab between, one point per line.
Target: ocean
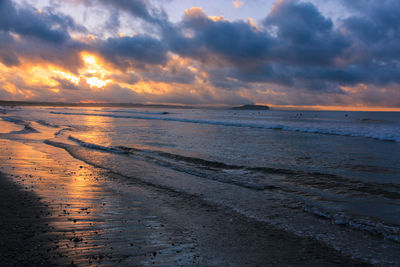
333	176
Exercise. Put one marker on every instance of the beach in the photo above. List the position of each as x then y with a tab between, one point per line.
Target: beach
199	133
168	230
78	197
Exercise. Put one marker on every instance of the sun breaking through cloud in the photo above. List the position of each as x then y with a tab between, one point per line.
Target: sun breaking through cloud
291	54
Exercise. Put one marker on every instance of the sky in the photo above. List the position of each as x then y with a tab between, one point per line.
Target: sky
329	54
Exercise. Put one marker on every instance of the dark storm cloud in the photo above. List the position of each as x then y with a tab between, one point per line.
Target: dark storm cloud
37	35
44	36
294	33
113	22
296	46
26	21
236	42
7	55
303	35
375	28
137	8
66	55
65	84
125	52
171	74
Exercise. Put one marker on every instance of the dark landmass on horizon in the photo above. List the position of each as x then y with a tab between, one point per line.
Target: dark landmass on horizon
252	107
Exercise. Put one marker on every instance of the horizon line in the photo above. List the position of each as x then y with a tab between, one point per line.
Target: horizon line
176	105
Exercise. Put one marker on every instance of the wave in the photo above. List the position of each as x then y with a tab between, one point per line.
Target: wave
93	146
136	112
374	228
63	130
172	165
176	157
380	229
111	111
258	178
45	123
76	154
316	130
207	163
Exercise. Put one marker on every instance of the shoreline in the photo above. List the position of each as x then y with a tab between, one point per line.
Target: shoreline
154	228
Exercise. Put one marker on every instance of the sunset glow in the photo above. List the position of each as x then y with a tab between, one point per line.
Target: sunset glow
96	82
68	76
227	54
200	133
94	72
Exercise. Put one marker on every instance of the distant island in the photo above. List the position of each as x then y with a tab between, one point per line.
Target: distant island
252	107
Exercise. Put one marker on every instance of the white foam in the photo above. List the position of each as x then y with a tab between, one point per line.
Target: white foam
136	112
375	228
379	134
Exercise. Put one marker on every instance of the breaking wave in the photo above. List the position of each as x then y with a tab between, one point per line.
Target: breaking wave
216	171
352	132
207	169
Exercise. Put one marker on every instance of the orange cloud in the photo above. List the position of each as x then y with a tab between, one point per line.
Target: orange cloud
198	12
216	18
237	3
195	12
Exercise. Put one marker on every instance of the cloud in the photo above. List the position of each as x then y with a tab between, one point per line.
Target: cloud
237	3
199	36
137	8
7	55
48	26
303	35
176	70
375	28
127	52
295	54
40	35
66	84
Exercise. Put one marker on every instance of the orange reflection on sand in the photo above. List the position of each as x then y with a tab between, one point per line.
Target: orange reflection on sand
69	187
83	200
6	127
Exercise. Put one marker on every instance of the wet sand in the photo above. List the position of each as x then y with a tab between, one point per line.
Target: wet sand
26	237
90	217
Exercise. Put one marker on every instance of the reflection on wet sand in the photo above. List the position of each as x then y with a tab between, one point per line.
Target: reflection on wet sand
6	127
97	223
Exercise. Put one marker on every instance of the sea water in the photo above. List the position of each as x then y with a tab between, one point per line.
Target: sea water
333	176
